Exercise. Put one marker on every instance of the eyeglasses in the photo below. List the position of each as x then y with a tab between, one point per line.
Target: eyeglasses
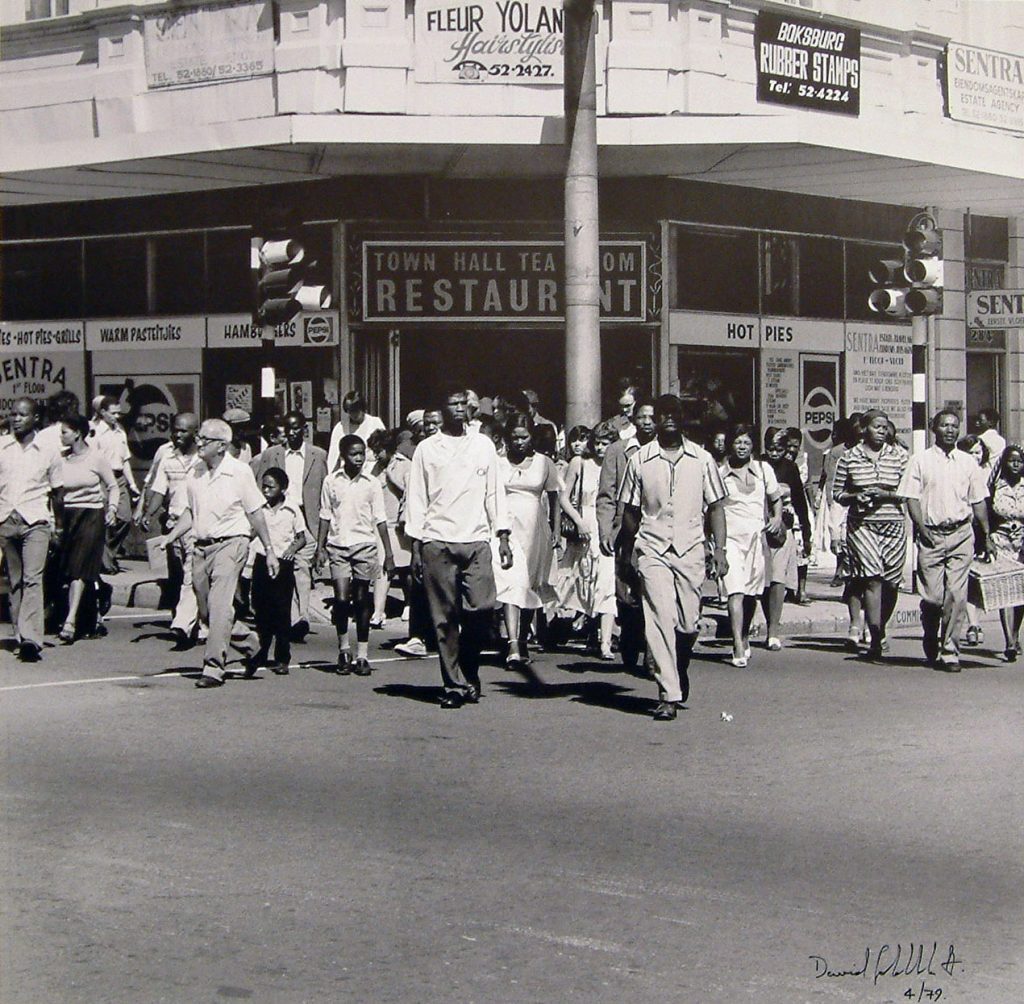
210	439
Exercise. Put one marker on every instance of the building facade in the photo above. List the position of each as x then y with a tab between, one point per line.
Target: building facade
755	158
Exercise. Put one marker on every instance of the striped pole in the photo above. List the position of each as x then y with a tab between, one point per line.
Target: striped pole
919	406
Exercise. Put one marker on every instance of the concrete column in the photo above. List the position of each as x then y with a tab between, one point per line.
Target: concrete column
948	377
582	233
1013	418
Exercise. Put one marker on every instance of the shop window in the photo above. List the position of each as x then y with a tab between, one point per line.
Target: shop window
36	10
714	270
41	281
801	276
177	274
229	280
859	260
115	277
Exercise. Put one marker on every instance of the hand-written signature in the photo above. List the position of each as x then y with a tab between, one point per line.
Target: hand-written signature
897	961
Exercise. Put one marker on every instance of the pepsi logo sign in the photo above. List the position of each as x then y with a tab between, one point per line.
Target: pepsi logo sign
819	415
318	330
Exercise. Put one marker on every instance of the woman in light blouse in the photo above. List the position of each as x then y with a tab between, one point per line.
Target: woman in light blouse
89	496
1006	518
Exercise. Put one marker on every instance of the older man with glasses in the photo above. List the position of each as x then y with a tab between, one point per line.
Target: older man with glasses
224	505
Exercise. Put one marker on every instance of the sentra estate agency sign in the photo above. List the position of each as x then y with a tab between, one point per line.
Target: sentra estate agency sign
985	87
489	42
995	308
807	64
428	281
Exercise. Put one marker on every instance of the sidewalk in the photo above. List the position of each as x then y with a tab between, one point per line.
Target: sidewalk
135	587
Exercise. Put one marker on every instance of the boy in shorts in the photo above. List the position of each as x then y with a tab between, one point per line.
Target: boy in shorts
352	518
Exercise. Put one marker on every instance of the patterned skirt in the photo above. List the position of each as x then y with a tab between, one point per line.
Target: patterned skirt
877	549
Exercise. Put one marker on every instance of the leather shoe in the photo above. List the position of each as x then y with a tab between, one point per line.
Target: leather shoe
948	664
471	696
206	682
452	699
344	666
361	668
251	664
665	711
29	651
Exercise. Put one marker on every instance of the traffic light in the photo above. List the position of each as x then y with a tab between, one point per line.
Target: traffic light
890	297
923	265
282	291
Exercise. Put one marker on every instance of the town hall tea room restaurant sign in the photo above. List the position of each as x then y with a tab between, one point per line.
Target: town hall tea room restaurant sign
807	64
492	281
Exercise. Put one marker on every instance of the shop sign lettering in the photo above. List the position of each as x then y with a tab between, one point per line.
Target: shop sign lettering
985	87
16	336
145	333
37	375
493	281
807	64
489	42
996	308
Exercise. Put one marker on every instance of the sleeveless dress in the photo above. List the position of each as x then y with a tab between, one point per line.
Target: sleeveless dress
745	545
526	583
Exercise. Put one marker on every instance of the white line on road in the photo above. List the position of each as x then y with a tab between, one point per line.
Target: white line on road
159	676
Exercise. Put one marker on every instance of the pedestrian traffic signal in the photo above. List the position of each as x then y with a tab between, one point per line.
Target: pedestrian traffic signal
890	297
282	290
923	265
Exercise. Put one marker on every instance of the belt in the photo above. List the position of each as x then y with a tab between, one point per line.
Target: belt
950	525
210	541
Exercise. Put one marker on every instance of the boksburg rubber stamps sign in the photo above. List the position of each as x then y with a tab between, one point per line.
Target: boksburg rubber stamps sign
489	42
425	281
807	64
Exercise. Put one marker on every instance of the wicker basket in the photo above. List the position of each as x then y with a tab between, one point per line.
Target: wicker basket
993	585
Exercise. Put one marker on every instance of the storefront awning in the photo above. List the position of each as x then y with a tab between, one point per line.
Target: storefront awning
982	171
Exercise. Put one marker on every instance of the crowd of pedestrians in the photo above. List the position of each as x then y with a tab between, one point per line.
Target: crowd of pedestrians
500	530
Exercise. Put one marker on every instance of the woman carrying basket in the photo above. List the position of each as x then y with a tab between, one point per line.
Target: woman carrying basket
1006	524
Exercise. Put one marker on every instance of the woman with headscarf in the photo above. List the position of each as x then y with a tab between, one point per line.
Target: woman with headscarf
866	482
1006	516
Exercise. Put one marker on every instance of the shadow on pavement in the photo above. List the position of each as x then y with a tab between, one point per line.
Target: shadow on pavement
595	693
425	695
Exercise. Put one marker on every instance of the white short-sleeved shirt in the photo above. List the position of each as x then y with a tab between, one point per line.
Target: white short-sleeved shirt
27	475
354	507
284	524
946	484
220	500
113	444
170	475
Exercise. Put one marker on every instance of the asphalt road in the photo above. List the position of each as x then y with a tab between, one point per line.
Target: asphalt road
316	838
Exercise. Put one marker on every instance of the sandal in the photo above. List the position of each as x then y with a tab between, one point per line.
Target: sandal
1011	654
66	635
739	661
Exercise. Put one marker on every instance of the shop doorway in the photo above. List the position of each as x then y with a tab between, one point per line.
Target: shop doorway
502	362
984	382
717	387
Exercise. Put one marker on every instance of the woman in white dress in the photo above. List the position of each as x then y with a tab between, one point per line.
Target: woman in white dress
531	491
587	582
752	490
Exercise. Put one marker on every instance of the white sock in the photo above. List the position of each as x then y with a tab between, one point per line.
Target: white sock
362	649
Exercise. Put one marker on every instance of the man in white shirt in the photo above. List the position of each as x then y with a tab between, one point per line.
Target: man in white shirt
354	422
166	483
29	474
455	505
112	442
944	488
224	506
987	423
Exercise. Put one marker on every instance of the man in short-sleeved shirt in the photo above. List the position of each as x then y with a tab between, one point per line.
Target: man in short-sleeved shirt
224	506
670	485
29	474
945	488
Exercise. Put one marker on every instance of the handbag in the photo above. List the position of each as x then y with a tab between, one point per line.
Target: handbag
569	529
774	539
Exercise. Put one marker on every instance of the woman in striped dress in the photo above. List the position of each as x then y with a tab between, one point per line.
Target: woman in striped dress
866	481
1006	519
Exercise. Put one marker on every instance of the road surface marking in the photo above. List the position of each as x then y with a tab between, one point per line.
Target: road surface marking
158	676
